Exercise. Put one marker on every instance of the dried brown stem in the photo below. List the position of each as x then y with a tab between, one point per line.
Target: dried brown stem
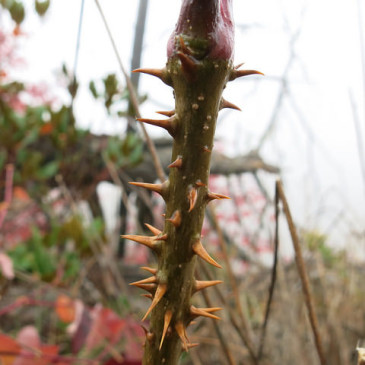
134	99
303	275
273	276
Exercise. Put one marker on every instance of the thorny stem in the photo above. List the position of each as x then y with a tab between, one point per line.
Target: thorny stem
198	68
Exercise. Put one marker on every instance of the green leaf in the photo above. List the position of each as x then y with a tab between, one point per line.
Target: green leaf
43	261
17	12
48	170
41	7
93	90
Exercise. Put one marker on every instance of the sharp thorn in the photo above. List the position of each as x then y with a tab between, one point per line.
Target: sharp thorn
188	65
166	323
143	240
200	284
239	66
150	280
158	188
160	73
149	296
196	312
191	345
199	249
151	288
184	47
180	330
228	105
241	73
169	113
167	124
192	196
200	184
149	269
177	163
175	218
153	229
160	292
212	196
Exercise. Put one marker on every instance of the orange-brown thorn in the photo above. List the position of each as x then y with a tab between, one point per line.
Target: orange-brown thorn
149	296
213	196
158	188
143	240
150	280
199	249
153	229
160	73
151	288
177	163
167	320
228	105
196	312
160	292
180	330
149	269
241	73
175	218
200	284
167	124
188	65
193	196
200	184
168	113
184	47
191	345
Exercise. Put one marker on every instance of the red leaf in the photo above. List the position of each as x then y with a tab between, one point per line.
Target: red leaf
106	326
6	266
65	308
9	349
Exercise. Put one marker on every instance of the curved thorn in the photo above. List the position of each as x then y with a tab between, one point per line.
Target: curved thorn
241	73
169	113
180	330
167	124
193	196
175	218
160	292
150	280
149	269
149	296
199	249
200	284
188	64
166	323
200	184
212	196
151	288
177	163
228	105
183	46
158	188
153	229
239	65
196	312
157	72
143	240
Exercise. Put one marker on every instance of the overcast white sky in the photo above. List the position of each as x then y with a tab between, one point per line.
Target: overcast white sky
314	140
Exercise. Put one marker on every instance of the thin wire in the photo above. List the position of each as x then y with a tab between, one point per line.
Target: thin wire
77	51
